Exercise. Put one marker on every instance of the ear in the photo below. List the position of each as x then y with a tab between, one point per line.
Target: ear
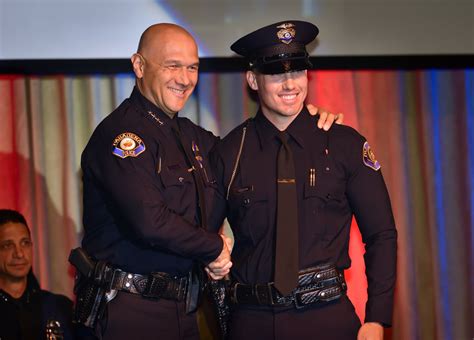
252	80
137	64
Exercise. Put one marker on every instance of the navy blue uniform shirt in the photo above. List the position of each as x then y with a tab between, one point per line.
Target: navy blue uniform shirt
140	203
28	316
344	186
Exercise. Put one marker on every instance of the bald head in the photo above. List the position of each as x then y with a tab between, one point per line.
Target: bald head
166	66
158	34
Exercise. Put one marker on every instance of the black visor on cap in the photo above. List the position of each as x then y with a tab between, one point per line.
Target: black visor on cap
282	63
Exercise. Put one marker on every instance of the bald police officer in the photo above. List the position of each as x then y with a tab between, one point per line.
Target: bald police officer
147	181
291	192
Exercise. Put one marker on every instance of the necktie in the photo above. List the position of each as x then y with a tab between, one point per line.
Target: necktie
198	179
286	259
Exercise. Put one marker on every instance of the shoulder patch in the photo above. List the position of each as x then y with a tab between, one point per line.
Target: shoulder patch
127	144
368	157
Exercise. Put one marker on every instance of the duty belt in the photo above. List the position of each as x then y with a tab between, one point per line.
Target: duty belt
156	285
317	284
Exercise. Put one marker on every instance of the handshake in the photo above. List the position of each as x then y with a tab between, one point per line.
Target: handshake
220	267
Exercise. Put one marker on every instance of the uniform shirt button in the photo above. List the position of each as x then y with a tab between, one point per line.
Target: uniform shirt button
247	201
181	179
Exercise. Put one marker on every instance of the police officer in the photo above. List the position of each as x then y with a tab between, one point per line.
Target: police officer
291	192
27	311
148	187
147	182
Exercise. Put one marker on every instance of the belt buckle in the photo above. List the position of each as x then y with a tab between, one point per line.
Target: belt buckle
299	304
274	295
234	293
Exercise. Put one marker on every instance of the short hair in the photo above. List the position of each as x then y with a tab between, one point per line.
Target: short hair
12	216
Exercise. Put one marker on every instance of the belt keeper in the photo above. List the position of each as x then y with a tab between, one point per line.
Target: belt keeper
154	286
112	280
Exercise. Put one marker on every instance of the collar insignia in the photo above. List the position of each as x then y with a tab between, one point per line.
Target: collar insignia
155	117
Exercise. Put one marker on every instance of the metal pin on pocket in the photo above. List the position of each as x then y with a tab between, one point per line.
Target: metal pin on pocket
158	169
312	177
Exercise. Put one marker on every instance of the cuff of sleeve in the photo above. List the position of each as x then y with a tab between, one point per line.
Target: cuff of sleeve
380	311
216	243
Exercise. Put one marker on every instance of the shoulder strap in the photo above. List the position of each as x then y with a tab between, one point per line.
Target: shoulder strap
237	159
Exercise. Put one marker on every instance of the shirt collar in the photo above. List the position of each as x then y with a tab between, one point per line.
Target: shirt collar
150	110
266	131
301	125
32	288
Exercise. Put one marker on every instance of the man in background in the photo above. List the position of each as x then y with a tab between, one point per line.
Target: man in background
27	311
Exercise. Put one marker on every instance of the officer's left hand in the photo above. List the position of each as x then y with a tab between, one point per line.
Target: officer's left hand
326	119
370	331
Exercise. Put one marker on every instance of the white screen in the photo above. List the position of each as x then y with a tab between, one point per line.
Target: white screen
57	29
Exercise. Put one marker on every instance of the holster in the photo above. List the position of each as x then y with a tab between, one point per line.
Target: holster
218	291
195	288
93	279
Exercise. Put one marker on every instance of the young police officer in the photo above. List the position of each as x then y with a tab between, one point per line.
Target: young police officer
291	192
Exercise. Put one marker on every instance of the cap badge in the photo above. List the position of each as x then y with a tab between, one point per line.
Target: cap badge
368	157
287	33
127	144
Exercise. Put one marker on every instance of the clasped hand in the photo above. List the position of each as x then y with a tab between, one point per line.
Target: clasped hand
220	267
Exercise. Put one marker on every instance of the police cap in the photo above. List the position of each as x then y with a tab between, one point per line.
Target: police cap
278	48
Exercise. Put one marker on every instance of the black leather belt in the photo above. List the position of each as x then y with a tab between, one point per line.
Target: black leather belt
156	285
317	284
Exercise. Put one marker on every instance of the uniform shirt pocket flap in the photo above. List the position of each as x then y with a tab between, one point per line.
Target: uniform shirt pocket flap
246	196
324	192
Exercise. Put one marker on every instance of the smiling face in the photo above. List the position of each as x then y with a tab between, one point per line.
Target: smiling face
15	251
281	95
166	66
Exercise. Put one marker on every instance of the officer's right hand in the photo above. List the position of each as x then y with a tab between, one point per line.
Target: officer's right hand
326	119
220	267
370	331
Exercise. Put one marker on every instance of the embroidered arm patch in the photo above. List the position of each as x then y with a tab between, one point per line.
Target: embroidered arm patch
368	157
127	144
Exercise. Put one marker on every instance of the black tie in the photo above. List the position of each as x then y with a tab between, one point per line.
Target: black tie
198	179
286	259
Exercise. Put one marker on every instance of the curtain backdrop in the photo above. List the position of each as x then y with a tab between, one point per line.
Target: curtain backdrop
419	123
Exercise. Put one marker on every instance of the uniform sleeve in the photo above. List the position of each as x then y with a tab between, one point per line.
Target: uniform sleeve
131	184
370	202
